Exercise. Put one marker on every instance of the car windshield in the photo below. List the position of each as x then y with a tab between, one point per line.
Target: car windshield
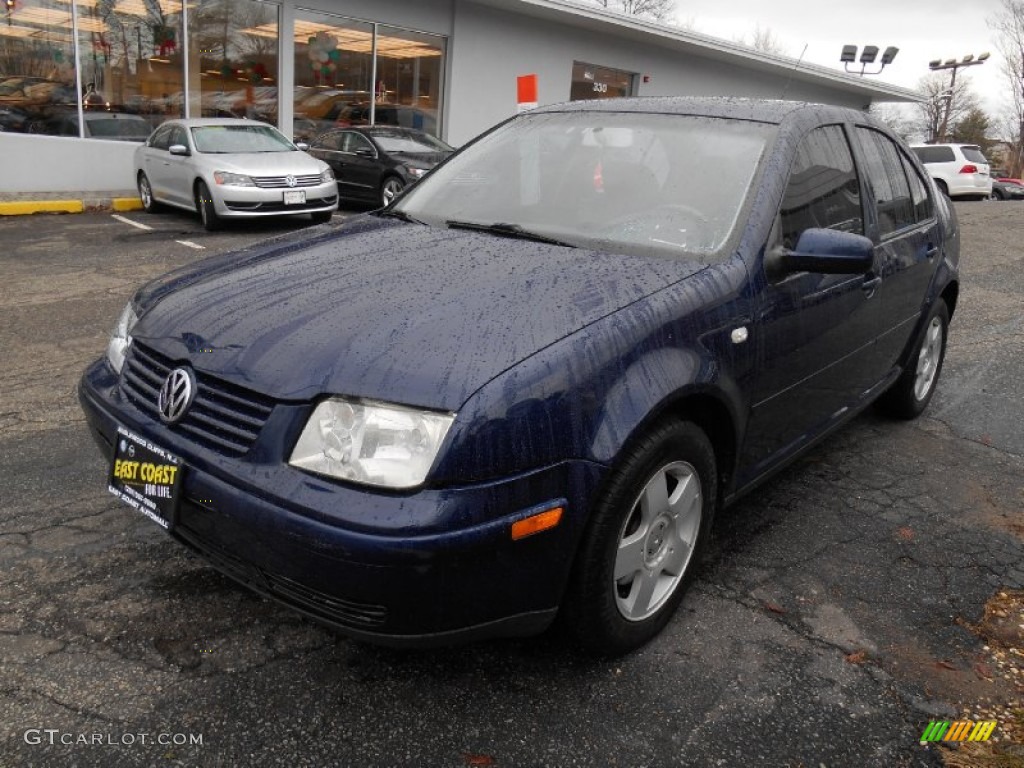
622	182
399	141
224	139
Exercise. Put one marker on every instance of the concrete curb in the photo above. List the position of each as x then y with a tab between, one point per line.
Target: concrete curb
85	205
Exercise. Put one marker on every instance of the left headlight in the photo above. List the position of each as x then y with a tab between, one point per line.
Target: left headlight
379	444
229	179
415	172
121	337
327	175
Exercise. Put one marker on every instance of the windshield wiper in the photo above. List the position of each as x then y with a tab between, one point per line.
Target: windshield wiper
504	229
400	215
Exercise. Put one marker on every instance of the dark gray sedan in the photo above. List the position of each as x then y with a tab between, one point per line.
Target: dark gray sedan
375	163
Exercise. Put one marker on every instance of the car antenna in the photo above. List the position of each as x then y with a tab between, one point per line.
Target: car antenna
794	69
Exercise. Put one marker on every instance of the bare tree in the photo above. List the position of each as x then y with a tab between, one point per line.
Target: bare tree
1008	24
764	40
943	107
896	118
658	10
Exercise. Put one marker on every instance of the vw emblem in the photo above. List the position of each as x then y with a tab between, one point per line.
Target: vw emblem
290	180
176	395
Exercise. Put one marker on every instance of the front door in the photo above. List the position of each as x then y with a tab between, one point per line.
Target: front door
815	333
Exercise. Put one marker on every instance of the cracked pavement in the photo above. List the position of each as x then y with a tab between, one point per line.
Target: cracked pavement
827	625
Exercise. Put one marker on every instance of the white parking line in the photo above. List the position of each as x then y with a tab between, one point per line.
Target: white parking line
129	221
190	244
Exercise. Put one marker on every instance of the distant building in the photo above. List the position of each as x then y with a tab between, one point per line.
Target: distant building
449	67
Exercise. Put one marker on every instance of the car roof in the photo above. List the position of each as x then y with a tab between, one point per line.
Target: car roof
762	110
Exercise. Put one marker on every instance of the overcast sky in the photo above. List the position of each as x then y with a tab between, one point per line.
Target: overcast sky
923	31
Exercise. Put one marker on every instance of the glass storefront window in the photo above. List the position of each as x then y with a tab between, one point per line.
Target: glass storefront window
233	59
408	89
593	82
333	71
131	59
37	66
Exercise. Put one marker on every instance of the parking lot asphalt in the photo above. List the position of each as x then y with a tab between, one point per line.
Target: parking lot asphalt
835	616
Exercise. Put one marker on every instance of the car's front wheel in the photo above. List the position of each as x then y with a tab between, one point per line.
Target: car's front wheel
207	211
390	188
642	544
149	204
913	390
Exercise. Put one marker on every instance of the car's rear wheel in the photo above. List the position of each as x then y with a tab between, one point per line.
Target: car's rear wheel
997	195
149	204
913	390
642	544
943	188
204	204
390	188
321	217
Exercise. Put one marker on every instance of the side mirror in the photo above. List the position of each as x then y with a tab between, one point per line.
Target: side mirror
826	251
366	152
301	146
179	149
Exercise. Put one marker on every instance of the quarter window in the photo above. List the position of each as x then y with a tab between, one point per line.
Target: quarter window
887	180
823	190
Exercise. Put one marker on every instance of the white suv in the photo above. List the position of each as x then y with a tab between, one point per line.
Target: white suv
960	170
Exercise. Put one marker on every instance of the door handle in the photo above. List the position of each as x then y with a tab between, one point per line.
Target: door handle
868	286
932	251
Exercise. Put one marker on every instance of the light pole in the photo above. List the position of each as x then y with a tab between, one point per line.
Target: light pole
953	64
867	56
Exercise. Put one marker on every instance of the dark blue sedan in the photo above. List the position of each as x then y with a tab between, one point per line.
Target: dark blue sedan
524	390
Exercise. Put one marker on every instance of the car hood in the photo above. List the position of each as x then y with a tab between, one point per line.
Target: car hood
262	163
388	310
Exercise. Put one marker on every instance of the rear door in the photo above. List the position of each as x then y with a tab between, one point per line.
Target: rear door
155	161
904	224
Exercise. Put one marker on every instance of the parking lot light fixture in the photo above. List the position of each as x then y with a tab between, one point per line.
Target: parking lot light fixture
868	55
952	64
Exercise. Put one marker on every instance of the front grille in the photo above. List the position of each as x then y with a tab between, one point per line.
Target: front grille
279	182
223	417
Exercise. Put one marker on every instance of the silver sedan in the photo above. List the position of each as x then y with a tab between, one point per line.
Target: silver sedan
227	168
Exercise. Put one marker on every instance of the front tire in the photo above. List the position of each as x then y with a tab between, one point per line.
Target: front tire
390	188
913	390
641	547
149	204
207	212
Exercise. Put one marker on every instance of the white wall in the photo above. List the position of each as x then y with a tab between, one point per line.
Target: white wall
30	163
492	47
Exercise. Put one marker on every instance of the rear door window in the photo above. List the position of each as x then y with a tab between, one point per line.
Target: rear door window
935	154
887	180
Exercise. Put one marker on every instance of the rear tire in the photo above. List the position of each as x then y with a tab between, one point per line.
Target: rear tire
643	542
913	390
207	212
942	187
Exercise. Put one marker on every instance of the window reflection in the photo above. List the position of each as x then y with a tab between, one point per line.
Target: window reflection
233	59
408	89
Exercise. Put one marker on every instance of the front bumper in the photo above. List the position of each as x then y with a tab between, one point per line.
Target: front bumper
242	202
430	567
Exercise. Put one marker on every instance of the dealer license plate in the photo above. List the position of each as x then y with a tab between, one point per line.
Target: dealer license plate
145	477
295	197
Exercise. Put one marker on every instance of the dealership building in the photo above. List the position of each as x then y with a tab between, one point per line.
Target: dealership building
80	79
